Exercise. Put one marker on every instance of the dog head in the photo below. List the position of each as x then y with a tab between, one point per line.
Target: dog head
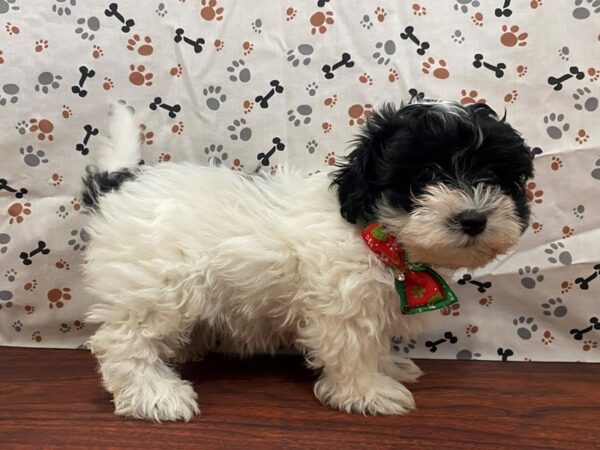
447	180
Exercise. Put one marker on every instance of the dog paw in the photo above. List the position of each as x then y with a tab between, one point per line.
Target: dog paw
378	395
166	400
400	369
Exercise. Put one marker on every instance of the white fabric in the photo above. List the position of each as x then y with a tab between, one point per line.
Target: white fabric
533	302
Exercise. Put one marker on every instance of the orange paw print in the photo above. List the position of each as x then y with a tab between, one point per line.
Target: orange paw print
108	84
594	74
511	97
320	20
582	136
143	47
567	231
393	76
40	45
56	297
532	194
97	52
556	163
326	127
139	76
210	10
176	71
440	72
380	13
470	97
248	106
358	113
290	13
477	19
219	44
330	159
366	79
509	37
11	29
237	165
1	57
164	157
419	10
247	47
521	70
177	128
66	112
45	128
17	212
146	136
537	227
535	3
331	101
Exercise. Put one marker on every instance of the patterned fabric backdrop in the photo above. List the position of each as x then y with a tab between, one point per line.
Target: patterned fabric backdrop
243	84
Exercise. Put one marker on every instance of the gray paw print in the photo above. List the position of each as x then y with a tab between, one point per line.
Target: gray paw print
47	81
215	155
21	127
530	276
238	71
366	22
62	7
75	243
555	126
596	172
580	209
554	307
239	130
7	5
311	146
463	5
458	37
62	212
590	103
86	28
257	26
10	275
65	328
10	90
17	325
384	51
161	10
564	257
312	88
526	327
6	296
301	54
467	354
583	7
214	102
4	239
301	111
33	158
563	52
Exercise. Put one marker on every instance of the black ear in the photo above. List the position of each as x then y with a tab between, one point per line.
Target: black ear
483	110
356	180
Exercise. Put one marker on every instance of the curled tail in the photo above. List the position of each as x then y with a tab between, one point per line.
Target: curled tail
118	158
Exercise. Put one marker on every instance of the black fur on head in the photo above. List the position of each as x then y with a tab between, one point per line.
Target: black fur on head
403	150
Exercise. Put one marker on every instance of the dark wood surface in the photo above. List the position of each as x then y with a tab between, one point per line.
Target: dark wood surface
53	399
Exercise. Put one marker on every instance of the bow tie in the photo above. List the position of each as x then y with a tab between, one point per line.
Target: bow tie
420	287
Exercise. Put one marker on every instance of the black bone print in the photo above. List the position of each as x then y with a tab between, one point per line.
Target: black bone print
89	132
415	95
584	283
19	193
113	11
498	69
26	256
263	100
196	43
345	61
322	3
277	146
448	337
173	109
422	47
85	74
504	11
578	334
557	82
505	353
481	286
535	151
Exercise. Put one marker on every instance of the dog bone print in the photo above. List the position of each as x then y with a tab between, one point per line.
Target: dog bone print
26	256
498	69
263	100
578	334
173	109
113	11
584	283
19	193
558	82
481	286
89	132
448	337
85	74
345	61
422	47
197	43
505	11
277	146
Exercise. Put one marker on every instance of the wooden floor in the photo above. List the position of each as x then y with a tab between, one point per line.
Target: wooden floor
53	399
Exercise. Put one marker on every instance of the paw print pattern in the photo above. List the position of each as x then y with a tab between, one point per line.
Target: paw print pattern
9	94
530	276
510	38
57	297
320	20
18	211
239	72
301	115
240	130
558	253
533	194
87	27
465	5
585	100
585	8
384	52
556	127
215	154
32	157
359	113
554	307
211	11
61	7
79	239
141	46
301	54
11	275
214	98
525	327
139	77
438	70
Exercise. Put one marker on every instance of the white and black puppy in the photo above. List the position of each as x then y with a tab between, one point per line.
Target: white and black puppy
182	255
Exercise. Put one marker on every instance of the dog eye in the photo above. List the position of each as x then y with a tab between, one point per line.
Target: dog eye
426	174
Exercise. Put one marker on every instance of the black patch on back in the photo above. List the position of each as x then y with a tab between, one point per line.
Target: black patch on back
97	184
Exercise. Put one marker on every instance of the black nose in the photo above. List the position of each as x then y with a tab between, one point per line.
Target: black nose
472	222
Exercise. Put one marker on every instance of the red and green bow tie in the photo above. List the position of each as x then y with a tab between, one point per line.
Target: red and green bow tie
420	288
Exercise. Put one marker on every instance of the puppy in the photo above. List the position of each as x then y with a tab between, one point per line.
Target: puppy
182	255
